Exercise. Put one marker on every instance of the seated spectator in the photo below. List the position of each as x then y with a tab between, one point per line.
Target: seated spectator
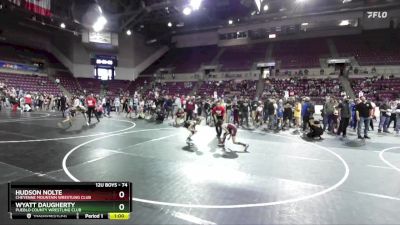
315	129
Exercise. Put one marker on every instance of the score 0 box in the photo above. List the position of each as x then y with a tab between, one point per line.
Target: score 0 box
61	200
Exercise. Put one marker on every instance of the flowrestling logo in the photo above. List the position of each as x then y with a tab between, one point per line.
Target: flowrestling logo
377	14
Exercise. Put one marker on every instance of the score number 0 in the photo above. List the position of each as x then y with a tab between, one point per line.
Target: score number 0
121	194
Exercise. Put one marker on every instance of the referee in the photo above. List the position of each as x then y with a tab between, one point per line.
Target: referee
218	113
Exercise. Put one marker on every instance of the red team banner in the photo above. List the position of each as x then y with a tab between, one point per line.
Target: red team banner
42	7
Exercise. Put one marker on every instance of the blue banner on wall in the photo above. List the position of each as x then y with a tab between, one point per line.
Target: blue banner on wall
16	66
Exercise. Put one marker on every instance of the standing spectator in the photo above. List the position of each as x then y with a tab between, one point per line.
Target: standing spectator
177	104
397	111
329	108
393	106
28	99
125	104
297	114
130	107
344	116
384	117
63	102
288	114
117	104
259	114
1	101
236	114
40	101
363	114
135	104
190	107
169	106
254	106
58	103
373	116
46	103
108	106
22	103
353	113
271	112
279	114
306	112
265	110
228	107
207	111
200	104
244	110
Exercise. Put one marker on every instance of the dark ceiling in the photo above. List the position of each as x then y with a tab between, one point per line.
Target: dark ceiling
151	17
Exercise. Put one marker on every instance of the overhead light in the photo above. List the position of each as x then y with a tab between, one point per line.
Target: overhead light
344	23
169	24
180	24
230	22
272	36
346	1
238	33
304	24
151	41
195	4
187	11
300	1
97	28
142	26
258	4
266	7
102	20
128	32
99	24
62	25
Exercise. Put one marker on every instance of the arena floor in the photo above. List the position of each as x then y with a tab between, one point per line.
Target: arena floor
282	180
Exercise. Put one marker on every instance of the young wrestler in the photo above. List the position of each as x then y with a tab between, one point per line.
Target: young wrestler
179	117
191	126
231	130
68	117
78	107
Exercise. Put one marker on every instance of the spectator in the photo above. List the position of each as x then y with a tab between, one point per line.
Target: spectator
307	111
363	115
384	117
344	116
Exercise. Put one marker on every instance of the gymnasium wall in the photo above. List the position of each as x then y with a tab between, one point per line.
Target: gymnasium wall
69	49
211	37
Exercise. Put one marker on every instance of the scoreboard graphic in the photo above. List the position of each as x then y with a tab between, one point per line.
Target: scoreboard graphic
86	200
